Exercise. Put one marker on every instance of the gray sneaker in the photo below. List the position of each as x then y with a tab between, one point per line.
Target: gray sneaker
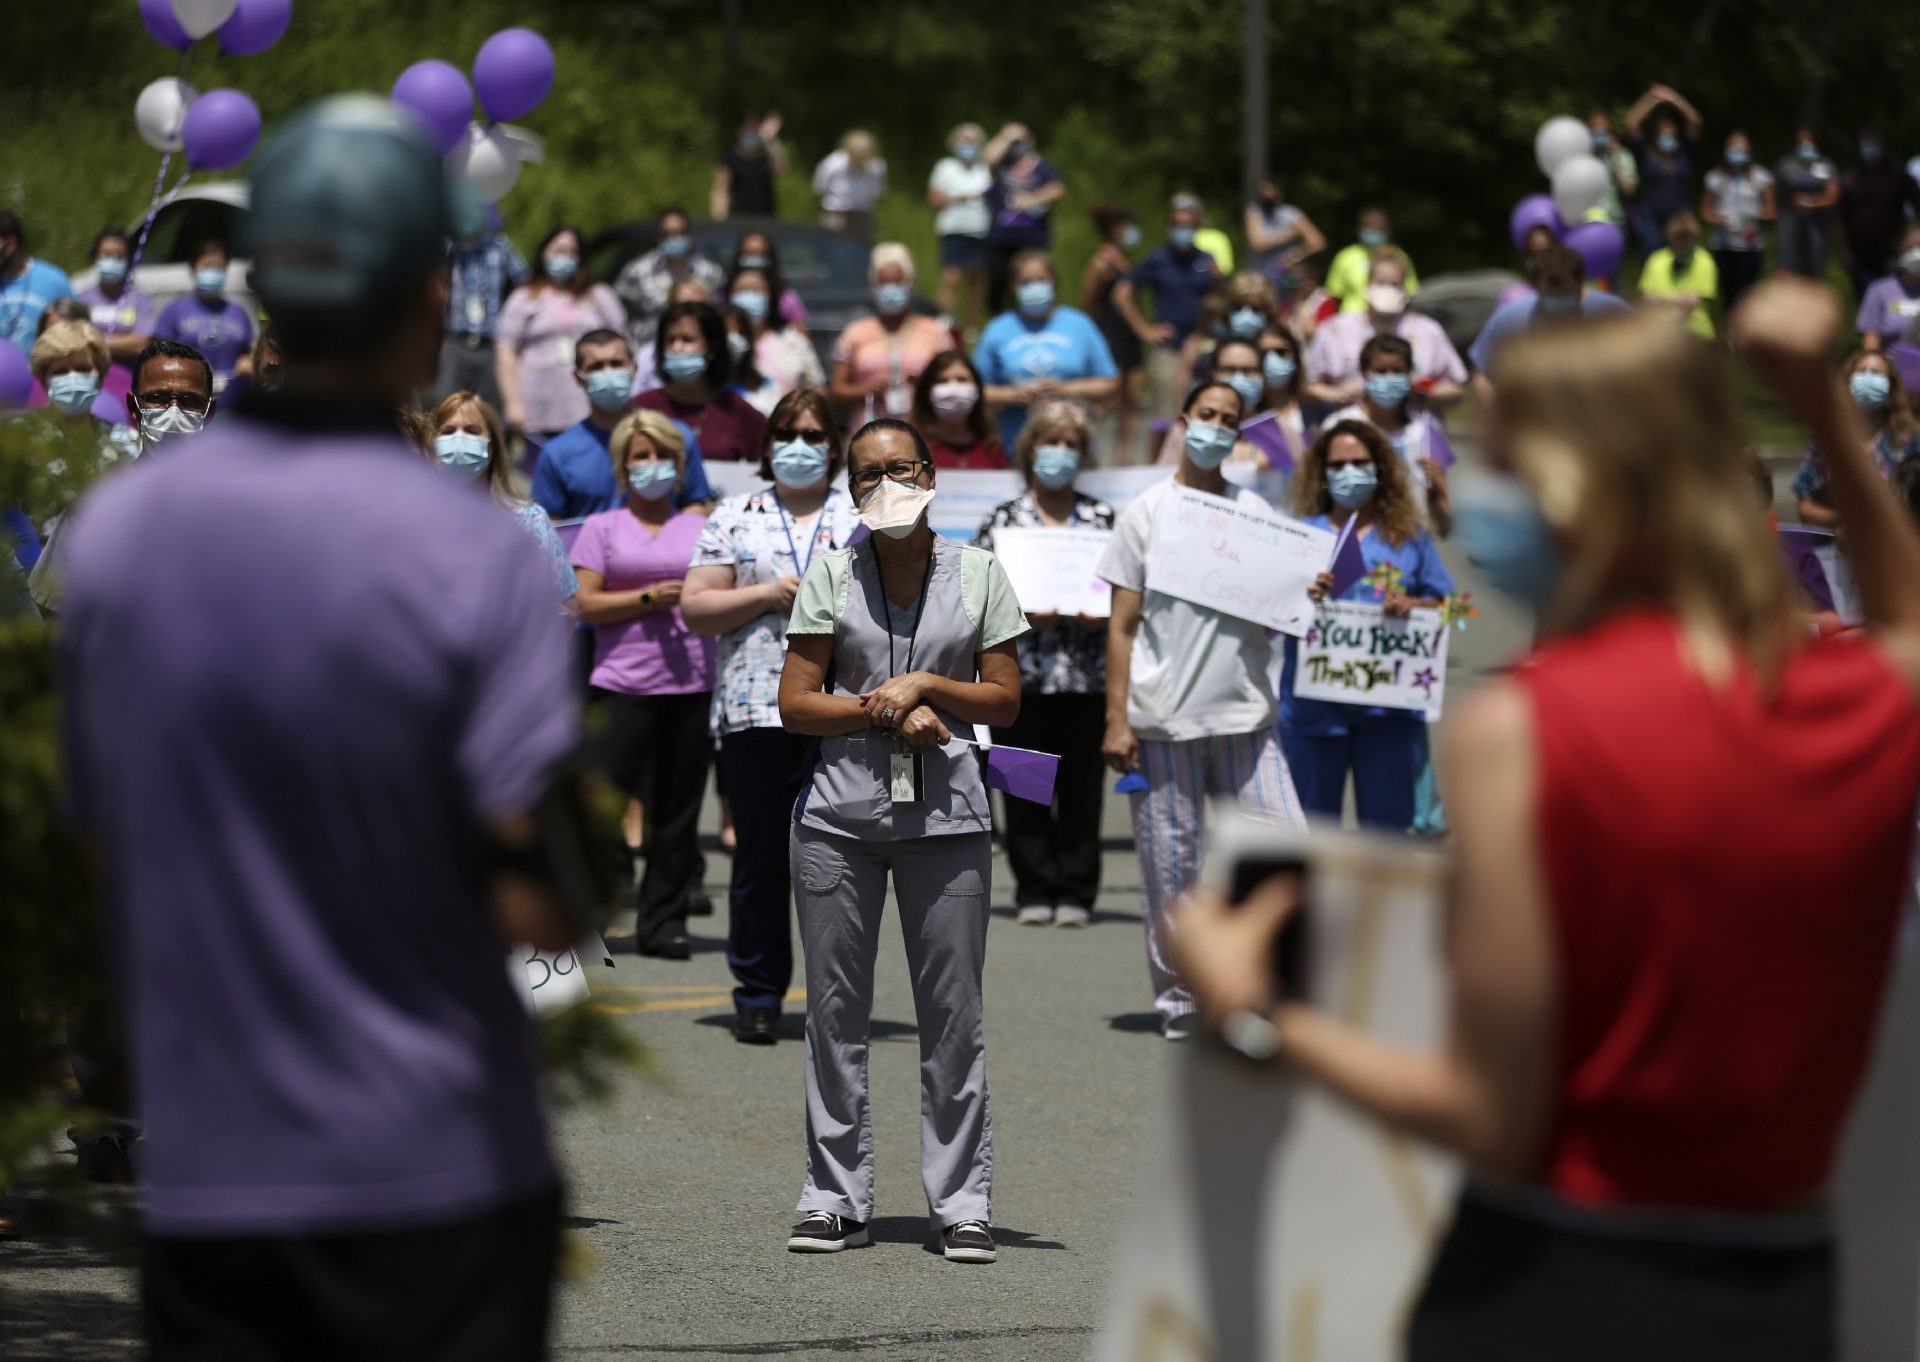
968	1242
824	1232
1034	915
1181	1027
1067	915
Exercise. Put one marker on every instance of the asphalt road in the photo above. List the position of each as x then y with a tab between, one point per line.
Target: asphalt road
683	1186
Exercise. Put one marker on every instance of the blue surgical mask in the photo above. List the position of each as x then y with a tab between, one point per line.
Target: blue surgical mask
749	141
1277	367
683	366
1247	322
1130	236
211	281
1180	238
755	261
1054	466
799	464
73	394
1372	236
561	268
890	300
1558	304
1207	444
1251	388
752	302
1498	522
1806	151
1739	157
113	268
1352	485
462	454
1601	141
610	389
676	245
651	480
968	152
1870	152
1036	297
1388	390
1870	390
1667	142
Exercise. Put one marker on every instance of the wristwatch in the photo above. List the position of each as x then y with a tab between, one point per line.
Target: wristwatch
646	600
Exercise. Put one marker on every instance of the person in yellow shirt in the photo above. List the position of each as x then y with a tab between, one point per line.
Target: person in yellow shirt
1347	273
1683	276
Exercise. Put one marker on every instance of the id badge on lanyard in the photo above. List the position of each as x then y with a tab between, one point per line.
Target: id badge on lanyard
904	772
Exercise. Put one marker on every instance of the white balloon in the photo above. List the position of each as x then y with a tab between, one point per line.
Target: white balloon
161	112
1579	186
201	17
488	161
1559	141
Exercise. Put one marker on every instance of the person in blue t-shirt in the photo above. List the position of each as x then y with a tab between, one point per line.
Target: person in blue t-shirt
574	474
1560	293
1352	473
1041	351
27	286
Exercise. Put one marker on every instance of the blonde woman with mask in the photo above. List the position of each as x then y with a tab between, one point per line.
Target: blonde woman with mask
1681	831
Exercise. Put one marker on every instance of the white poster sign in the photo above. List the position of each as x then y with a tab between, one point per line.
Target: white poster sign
1056	569
548	980
1252	564
1355	653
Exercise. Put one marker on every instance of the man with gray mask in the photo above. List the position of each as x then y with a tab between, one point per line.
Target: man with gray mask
1560	294
318	720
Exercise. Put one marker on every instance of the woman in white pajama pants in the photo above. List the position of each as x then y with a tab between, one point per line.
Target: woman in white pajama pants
1190	707
894	644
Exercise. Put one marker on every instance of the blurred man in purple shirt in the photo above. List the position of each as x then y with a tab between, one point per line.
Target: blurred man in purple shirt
317	696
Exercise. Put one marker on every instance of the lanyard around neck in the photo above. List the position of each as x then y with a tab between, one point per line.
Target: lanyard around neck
919	611
813	539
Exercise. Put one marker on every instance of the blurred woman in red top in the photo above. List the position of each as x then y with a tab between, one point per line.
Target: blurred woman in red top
1682	830
951	418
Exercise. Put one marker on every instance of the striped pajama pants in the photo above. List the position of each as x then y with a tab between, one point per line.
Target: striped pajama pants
1169	827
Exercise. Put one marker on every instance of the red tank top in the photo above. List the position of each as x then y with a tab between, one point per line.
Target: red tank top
1726	871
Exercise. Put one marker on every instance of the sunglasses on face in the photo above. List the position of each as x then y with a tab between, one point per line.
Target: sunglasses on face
898	472
157	401
782	434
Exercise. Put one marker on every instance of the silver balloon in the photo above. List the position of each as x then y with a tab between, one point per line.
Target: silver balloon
201	17
161	112
488	161
1579	187
1559	141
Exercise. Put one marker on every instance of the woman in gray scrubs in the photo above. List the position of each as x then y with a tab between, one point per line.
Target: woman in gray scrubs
896	643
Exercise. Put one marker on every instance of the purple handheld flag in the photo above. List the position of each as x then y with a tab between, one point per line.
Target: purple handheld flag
1267	435
1800	545
1022	773
1349	564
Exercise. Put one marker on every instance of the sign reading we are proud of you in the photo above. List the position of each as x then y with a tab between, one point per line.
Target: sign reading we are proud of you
1246	562
1357	653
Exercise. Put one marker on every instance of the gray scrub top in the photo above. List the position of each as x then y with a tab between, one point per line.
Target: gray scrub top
970	607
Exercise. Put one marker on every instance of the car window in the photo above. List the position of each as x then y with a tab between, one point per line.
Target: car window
183	226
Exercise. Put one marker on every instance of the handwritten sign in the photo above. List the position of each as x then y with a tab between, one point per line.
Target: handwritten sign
548	980
1243	561
1056	569
1357	654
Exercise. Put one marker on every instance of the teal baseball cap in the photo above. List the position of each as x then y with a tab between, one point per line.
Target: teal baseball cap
350	209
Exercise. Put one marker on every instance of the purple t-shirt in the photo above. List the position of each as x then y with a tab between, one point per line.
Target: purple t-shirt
1889	308
221	331
303	669
655	654
131	314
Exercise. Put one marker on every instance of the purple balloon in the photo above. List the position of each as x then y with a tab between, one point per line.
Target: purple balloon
16	375
1600	245
221	128
1535	210
513	73
161	22
437	94
255	26
111	409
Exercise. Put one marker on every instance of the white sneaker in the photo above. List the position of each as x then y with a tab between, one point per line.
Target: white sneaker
1181	1027
1067	915
1034	915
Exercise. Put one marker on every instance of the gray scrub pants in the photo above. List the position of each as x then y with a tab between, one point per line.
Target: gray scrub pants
840	887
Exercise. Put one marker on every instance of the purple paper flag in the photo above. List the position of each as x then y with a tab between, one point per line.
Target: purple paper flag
1349	564
1022	773
1267	435
568	530
1800	545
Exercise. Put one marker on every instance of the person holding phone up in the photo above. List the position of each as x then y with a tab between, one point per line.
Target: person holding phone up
896	642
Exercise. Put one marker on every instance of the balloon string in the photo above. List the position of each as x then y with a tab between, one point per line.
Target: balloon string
155	204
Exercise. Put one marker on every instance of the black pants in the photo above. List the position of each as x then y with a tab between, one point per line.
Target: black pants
1508	1288
1055	852
1866	263
656	749
1739	271
1000	277
476	1290
761	770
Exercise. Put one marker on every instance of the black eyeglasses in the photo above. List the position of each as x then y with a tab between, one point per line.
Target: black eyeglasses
156	401
782	434
899	472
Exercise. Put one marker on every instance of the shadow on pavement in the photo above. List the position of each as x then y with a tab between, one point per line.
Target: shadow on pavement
915	1229
793	1026
67	1326
1135	1023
